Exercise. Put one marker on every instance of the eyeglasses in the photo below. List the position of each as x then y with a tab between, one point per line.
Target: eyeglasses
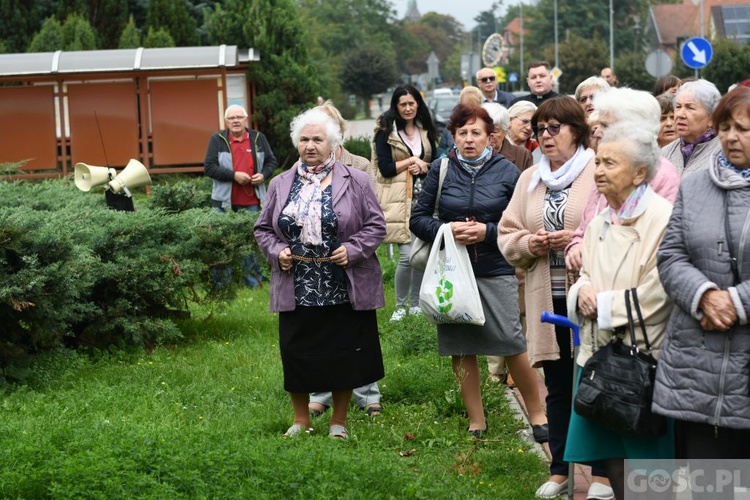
553	129
235	118
487	79
585	98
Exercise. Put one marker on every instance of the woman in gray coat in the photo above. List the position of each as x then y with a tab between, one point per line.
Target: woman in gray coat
703	378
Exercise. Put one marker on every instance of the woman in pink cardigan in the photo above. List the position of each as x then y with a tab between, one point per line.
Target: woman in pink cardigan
534	230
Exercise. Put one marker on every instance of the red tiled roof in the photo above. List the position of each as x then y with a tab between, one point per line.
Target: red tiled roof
673	21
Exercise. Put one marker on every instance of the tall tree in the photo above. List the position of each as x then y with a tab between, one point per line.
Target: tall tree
130	37
173	16
583	18
581	59
368	70
49	38
78	34
20	21
285	81
158	38
728	64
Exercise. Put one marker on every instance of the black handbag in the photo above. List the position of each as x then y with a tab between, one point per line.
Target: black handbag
617	384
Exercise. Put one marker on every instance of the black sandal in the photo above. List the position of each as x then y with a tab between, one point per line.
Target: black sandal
373	410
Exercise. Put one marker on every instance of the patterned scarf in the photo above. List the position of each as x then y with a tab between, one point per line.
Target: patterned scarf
563	176
630	207
305	208
723	162
687	149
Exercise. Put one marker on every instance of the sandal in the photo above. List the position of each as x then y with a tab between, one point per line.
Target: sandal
373	410
296	430
338	431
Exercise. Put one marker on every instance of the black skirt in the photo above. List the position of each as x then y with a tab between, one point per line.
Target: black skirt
329	348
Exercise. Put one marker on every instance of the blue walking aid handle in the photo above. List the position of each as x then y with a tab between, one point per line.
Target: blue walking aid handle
556	319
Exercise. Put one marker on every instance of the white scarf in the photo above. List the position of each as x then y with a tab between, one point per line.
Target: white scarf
563	176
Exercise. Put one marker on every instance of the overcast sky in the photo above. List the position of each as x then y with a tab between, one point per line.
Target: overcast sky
463	10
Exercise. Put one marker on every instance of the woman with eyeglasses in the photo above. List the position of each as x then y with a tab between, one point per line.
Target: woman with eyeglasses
534	230
402	148
519	129
586	90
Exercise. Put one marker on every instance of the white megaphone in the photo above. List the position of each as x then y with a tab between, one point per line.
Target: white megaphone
88	176
132	176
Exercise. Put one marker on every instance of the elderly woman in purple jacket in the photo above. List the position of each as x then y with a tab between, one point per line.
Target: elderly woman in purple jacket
319	229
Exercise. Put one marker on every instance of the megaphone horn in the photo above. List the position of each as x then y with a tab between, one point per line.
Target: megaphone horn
133	175
88	176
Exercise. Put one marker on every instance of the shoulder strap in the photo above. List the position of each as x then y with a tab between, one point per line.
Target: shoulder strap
631	326
443	171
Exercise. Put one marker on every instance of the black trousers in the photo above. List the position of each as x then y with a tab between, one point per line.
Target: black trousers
558	377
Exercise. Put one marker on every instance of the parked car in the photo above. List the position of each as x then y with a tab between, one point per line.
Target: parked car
441	106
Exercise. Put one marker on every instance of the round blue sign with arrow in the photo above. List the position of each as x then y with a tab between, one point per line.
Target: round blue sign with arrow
696	52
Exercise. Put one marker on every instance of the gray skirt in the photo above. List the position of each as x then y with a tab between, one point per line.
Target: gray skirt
501	334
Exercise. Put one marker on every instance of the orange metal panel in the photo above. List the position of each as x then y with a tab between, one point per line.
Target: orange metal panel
27	127
183	117
114	106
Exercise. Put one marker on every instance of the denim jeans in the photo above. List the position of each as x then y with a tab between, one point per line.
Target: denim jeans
408	280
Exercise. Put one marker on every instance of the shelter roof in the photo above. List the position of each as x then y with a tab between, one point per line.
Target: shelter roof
140	59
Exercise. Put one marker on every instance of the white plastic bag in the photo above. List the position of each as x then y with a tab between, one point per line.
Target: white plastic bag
449	291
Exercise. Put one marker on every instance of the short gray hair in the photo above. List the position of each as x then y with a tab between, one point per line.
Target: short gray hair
316	117
624	104
498	113
643	148
520	108
592	81
703	91
234	106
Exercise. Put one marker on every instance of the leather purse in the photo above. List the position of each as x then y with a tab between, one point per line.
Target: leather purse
420	249
617	384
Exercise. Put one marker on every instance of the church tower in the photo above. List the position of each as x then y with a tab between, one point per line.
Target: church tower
412	13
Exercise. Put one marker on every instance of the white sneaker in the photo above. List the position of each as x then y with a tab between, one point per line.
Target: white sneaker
398	314
415	310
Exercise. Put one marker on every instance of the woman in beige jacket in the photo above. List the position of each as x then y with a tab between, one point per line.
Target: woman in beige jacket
619	254
402	149
544	211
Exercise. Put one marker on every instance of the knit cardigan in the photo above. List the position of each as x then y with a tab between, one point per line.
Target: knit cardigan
521	220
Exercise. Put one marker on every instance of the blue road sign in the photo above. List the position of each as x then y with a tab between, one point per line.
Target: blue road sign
513	77
696	52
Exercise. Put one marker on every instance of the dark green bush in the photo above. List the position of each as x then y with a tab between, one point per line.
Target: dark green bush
358	146
74	272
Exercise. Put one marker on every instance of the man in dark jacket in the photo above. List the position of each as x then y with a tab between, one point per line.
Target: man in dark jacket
487	83
239	160
539	80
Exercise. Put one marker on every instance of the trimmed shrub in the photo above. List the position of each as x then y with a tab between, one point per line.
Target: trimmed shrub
74	272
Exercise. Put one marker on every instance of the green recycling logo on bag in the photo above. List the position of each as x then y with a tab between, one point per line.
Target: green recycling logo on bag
449	291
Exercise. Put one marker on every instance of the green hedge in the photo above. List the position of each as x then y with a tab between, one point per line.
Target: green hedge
74	272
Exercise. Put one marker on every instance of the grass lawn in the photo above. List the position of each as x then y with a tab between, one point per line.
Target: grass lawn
204	419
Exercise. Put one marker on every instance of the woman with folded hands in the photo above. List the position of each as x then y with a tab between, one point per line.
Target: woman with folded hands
319	229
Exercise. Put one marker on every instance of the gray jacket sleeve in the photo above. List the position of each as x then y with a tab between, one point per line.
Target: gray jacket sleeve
682	280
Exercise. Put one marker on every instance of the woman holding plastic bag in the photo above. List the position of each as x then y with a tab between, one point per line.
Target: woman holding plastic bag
477	187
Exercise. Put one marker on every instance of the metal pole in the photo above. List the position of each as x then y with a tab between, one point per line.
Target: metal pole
611	36
697	75
521	71
556	57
